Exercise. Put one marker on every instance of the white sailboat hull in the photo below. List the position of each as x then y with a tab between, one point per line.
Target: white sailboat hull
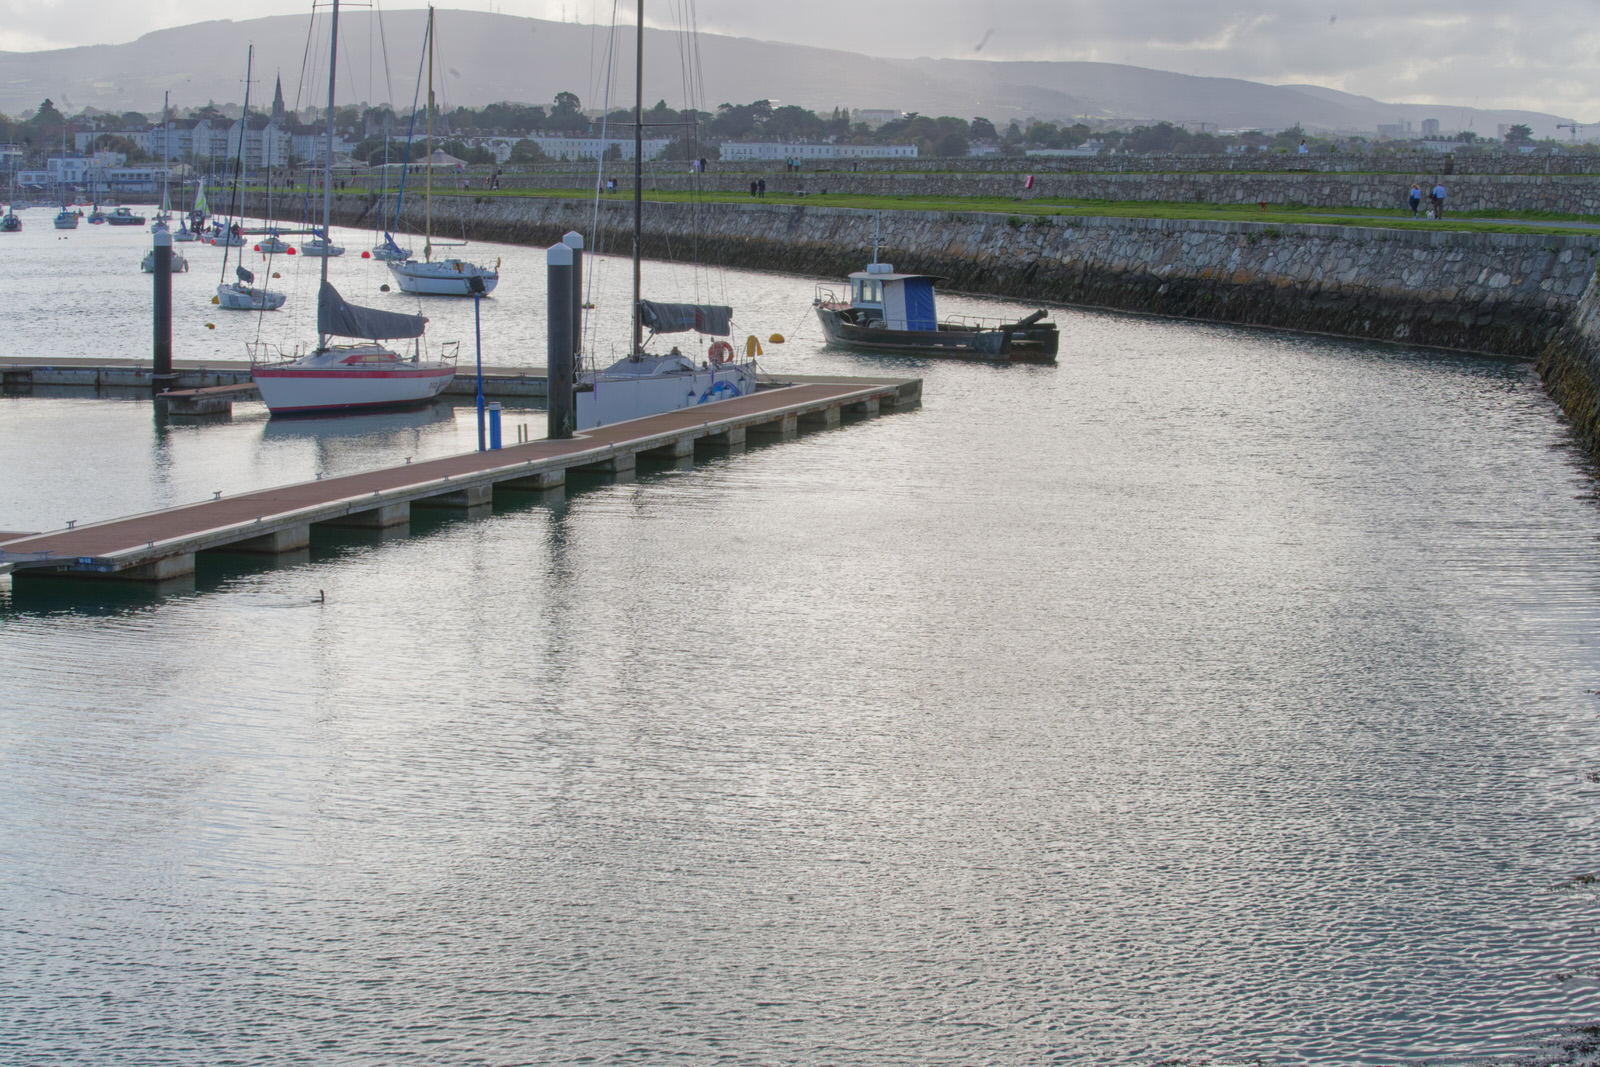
614	396
296	389
442	277
240	297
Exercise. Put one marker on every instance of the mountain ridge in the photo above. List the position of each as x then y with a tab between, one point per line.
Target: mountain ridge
486	59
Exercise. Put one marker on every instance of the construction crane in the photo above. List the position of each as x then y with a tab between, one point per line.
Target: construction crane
1573	126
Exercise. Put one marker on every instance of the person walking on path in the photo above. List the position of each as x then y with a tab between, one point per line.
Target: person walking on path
1416	199
761	188
752	189
1438	200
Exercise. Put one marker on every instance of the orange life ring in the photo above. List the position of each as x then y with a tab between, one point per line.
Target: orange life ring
721	352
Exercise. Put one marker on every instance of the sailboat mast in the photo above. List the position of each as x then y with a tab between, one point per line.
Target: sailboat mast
238	164
166	170
327	163
427	196
638	177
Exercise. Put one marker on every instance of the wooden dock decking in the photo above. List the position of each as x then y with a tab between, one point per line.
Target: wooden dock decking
212	385
162	544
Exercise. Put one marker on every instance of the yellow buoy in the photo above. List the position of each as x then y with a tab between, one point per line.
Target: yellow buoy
214	300
775	339
211	325
275	274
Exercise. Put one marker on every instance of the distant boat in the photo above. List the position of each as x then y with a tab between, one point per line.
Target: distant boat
386	250
67	219
121	216
318	245
148	264
439	277
11	222
241	294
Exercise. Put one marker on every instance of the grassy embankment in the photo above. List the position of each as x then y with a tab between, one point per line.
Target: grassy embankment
1466	222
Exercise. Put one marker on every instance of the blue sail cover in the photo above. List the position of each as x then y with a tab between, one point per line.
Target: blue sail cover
714	319
244	275
340	319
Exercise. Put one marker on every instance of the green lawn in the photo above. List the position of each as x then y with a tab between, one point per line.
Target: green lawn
1469	222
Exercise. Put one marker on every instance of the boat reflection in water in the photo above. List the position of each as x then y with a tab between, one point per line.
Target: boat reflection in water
350	442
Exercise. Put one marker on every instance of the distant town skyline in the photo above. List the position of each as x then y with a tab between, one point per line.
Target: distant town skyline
1473	54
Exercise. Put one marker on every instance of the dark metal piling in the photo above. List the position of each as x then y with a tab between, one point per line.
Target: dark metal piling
162	378
562	406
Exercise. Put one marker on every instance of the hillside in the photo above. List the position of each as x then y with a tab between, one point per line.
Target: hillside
490	57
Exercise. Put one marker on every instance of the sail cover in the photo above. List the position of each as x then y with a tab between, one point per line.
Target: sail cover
341	319
680	318
244	275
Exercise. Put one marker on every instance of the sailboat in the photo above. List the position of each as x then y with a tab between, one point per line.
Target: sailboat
197	214
387	250
241	294
449	276
319	245
67	217
11	222
641	384
348	377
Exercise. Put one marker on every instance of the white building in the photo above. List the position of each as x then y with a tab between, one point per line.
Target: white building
103	171
770	150
561	147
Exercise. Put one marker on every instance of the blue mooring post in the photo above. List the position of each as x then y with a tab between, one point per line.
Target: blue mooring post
475	283
494	426
562	419
161	377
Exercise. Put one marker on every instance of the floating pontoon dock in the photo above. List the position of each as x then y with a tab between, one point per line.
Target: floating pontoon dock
162	544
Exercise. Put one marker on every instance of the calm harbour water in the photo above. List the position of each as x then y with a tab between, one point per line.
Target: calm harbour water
1216	695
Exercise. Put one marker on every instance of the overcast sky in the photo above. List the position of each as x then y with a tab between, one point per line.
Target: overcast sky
1542	56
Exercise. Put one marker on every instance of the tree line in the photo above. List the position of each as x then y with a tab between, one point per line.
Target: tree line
380	132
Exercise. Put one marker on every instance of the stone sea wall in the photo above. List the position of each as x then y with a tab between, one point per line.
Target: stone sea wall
1570	367
1497	293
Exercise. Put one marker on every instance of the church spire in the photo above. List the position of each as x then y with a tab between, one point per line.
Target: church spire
277	103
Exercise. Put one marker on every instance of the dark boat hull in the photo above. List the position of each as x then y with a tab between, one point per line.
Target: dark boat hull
1034	343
